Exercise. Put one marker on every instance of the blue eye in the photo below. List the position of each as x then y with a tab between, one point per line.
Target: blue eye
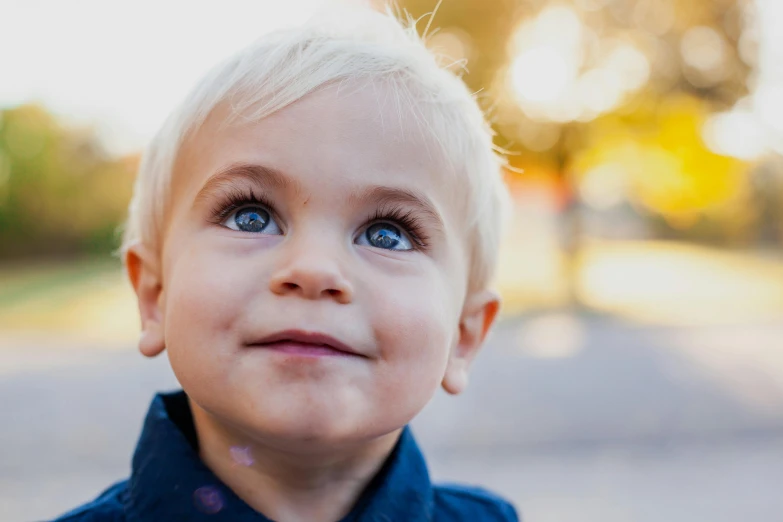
386	236
252	219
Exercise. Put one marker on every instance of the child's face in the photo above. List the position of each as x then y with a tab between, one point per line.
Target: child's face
359	237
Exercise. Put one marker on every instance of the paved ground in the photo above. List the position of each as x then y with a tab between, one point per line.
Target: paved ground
574	418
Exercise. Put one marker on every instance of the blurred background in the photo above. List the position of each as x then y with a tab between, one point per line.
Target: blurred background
638	370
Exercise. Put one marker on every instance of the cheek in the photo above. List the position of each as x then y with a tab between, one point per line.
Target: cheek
204	299
415	324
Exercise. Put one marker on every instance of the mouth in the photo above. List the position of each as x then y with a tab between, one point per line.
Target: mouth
307	344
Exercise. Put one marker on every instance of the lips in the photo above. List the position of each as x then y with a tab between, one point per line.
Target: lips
299	342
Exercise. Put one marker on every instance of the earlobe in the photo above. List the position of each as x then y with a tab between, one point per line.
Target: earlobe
478	315
144	275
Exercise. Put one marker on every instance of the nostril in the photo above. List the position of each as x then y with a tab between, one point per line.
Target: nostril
310	285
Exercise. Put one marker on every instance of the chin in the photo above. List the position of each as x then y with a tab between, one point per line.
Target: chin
308	435
300	421
306	418
313	427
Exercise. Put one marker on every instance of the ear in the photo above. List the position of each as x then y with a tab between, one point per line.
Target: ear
478	315
144	274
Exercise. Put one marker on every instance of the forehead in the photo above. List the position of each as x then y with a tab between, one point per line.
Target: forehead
332	140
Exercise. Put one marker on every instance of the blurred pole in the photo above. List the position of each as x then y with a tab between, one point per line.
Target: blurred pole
570	219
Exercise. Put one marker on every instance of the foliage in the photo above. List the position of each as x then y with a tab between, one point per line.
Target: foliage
682	61
60	192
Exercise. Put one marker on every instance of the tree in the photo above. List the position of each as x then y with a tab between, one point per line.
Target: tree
60	193
556	74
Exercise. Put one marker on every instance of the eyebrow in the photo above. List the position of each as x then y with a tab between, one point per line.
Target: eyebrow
383	195
266	177
271	178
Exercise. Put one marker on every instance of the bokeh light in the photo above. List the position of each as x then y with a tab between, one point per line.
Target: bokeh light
548	72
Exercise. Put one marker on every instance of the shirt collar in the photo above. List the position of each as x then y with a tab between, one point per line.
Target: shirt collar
170	482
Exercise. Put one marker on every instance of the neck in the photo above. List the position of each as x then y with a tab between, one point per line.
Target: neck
283	483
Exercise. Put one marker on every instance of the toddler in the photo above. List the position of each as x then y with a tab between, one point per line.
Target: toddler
311	239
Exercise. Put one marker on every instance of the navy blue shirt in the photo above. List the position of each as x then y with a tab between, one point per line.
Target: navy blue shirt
169	482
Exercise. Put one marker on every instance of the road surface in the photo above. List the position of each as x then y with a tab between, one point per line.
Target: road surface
575	418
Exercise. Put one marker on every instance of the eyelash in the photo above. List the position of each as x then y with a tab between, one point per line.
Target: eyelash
235	199
406	219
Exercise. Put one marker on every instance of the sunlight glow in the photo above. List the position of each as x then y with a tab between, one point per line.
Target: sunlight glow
755	126
769	102
702	48
736	133
124	65
542	74
547	78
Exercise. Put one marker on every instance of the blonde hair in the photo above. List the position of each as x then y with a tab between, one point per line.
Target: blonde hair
347	43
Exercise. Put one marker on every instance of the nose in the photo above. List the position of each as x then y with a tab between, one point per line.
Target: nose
312	273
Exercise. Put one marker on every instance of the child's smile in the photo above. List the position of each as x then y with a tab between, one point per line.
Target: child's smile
305	344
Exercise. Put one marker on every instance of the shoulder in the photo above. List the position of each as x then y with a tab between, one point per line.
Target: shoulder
108	507
456	502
